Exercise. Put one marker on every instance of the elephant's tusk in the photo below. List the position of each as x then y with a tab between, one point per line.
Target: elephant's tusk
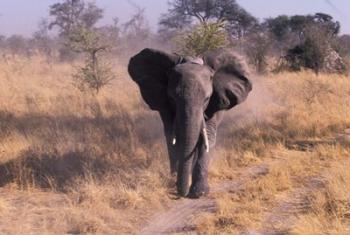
174	135
206	140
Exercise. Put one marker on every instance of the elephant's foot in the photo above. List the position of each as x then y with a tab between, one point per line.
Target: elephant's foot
198	190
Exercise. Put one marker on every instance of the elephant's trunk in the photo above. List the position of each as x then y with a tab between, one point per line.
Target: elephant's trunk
189	124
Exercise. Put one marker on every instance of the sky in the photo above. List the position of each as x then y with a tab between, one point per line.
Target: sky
23	16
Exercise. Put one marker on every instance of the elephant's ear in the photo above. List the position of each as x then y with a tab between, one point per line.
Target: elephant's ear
230	85
149	69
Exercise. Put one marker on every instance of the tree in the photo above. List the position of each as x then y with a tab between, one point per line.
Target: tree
307	55
342	45
110	34
305	41
204	37
94	74
279	26
316	53
136	31
283	27
256	48
76	20
42	41
137	27
182	13
18	45
326	22
72	15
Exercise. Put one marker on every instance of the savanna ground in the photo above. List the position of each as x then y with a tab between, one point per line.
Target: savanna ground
72	162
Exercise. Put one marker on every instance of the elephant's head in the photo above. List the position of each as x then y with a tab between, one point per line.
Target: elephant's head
188	93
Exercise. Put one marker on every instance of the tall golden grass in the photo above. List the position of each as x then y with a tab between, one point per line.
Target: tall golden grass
76	162
291	123
84	162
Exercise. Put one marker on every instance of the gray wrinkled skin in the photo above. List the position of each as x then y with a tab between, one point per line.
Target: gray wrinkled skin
190	95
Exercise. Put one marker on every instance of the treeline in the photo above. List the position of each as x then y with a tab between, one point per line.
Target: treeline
280	43
189	27
73	27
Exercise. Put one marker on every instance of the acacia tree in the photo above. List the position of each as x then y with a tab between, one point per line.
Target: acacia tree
76	20
95	73
182	13
305	39
289	31
204	37
69	16
314	52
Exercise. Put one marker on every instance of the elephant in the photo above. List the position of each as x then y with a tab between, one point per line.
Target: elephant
191	96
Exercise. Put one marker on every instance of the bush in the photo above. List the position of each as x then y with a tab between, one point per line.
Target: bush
315	53
314	56
306	55
204	37
94	74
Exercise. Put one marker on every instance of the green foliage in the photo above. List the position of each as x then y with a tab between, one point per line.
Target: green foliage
93	75
83	39
342	45
307	42
310	55
70	17
204	37
297	26
76	20
74	13
183	13
316	53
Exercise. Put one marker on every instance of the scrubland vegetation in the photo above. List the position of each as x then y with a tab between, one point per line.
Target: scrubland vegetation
74	162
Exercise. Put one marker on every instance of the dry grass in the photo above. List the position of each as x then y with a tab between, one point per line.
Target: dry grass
329	207
72	162
293	125
92	159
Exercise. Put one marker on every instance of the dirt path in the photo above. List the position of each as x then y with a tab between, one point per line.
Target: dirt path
179	218
282	217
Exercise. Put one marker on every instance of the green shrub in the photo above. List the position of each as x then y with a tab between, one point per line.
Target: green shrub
202	38
93	74
306	55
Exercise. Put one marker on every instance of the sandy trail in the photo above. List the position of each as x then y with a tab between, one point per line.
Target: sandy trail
179	218
281	218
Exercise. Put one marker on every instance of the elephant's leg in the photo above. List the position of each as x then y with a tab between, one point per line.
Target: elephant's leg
200	184
168	121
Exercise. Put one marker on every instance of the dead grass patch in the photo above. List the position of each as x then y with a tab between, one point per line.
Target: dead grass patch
329	210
